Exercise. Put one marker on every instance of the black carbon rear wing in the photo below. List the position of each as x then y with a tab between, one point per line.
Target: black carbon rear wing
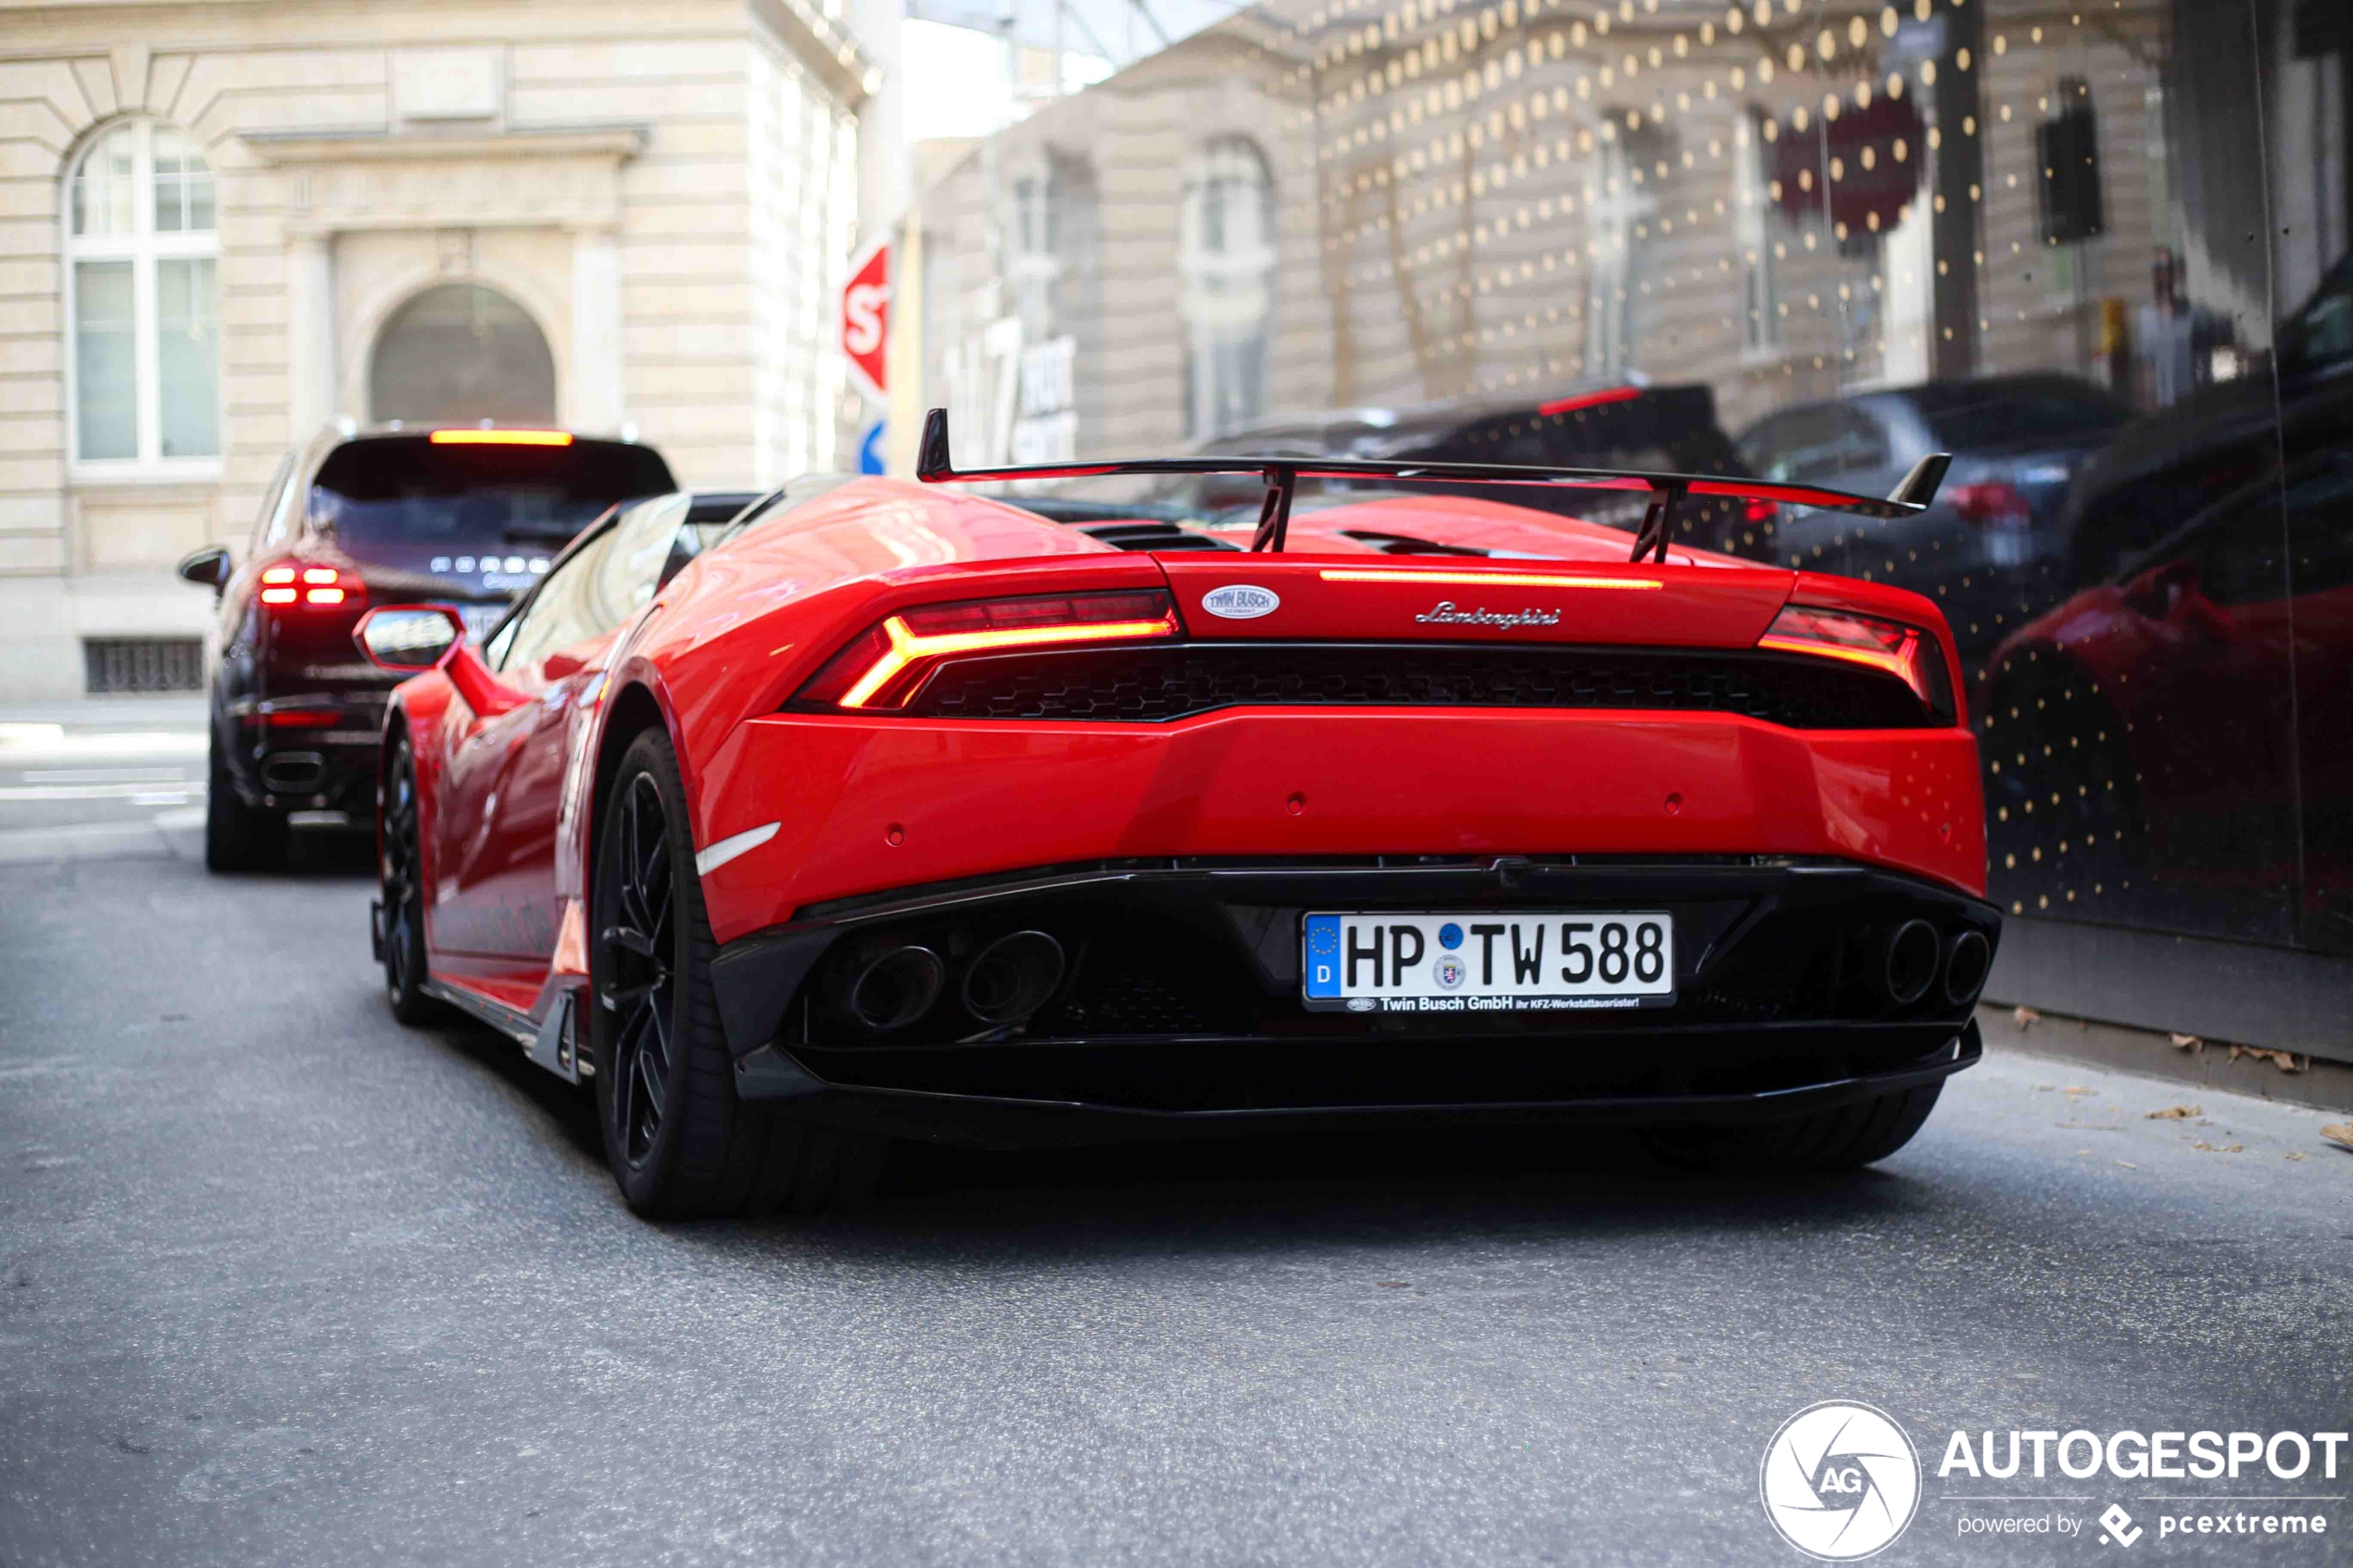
934	465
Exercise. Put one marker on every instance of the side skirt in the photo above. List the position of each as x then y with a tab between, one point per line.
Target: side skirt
552	1041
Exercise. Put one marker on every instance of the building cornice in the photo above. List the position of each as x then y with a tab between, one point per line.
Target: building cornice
613	143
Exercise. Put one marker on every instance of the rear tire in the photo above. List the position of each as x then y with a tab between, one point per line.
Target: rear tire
238	837
1841	1138
400	870
678	1139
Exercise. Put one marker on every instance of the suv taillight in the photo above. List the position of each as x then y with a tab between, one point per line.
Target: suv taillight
882	667
297	583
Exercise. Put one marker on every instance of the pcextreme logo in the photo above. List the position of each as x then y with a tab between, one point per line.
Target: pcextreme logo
1840	1481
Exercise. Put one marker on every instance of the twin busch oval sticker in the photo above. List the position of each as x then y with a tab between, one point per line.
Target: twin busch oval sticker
1241	601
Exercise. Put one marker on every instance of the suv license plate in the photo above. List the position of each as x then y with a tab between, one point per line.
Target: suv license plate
1516	961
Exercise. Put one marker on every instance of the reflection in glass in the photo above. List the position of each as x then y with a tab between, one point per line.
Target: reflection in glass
1226	257
106	372
2099	255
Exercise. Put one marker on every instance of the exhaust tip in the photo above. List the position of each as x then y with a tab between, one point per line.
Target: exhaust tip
1913	951
1012	978
897	989
292	773
1968	957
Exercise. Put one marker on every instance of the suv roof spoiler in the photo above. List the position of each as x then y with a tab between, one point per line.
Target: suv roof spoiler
934	465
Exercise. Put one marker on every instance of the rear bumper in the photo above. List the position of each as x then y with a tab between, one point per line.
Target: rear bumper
975	1121
1181	1011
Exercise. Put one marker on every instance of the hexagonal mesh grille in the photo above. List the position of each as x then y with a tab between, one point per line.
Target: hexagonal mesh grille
1171	681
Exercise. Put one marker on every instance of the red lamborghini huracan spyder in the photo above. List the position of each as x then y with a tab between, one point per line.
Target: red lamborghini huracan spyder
887	811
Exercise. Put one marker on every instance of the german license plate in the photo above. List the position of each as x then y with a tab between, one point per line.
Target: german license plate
1513	961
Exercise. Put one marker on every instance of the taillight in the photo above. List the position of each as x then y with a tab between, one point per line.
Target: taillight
294	584
884	665
1991	505
1755	510
1907	653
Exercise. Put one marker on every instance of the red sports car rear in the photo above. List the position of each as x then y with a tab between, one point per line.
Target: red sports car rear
901	813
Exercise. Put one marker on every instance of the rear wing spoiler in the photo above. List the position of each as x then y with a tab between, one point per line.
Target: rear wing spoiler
1281	475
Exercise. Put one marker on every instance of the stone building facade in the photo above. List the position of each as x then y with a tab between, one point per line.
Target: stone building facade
224	225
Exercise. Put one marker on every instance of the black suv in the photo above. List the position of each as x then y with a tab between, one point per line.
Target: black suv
468	517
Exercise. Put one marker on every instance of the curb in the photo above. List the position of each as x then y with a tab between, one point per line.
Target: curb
2319	1083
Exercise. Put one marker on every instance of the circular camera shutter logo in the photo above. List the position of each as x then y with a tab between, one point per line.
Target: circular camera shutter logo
1241	601
1841	1481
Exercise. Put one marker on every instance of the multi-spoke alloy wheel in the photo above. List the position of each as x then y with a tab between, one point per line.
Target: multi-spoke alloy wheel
677	1138
401	868
637	988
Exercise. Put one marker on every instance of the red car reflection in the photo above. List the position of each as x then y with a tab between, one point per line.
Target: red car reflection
2190	722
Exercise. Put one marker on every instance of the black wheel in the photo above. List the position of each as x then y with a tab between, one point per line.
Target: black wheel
679	1141
238	837
400	869
1838	1139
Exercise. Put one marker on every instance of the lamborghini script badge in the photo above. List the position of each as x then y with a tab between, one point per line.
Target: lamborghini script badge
1444	613
1241	601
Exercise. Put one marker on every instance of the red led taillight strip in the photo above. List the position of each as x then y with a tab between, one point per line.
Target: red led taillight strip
1488	579
908	645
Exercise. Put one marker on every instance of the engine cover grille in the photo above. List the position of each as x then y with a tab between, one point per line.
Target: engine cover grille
1174	680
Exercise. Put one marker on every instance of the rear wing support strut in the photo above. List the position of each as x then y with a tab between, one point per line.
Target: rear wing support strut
934	465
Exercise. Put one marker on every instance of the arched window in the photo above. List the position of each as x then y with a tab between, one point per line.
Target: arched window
1226	257
459	352
142	299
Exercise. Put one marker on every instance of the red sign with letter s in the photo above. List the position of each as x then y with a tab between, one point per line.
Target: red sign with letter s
865	317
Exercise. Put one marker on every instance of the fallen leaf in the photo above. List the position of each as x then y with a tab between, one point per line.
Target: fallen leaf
2296	1154
2175	1113
2339	1133
2126	1163
2025	1016
2078	1089
2188	1043
2286	1062
1390	1284
2045	1089
2224	1149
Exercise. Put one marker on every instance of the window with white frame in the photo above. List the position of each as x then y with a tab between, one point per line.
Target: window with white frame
142	317
1226	260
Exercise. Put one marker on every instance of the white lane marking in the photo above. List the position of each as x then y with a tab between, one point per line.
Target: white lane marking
172	821
90	792
710	859
52	744
104	775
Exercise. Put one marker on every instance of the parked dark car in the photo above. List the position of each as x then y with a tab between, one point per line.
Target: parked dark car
2174	464
1659	429
2017	443
468	517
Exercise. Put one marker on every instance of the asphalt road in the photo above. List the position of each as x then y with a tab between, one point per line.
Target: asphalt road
281	1282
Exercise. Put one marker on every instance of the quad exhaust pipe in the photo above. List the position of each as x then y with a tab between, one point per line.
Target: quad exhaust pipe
1908	962
1912	959
1004	982
897	989
1968	958
1012	976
